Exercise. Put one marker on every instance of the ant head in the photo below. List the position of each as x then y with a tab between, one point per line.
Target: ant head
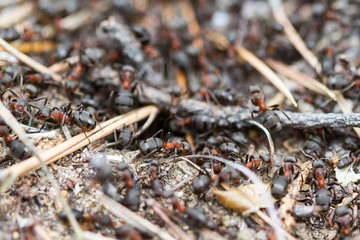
254	89
31	91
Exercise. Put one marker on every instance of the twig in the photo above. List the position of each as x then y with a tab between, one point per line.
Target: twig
75	143
266	196
133	219
293	36
298	120
346	109
158	209
268	135
301	78
265	71
148	122
64	65
288	201
29	61
11	121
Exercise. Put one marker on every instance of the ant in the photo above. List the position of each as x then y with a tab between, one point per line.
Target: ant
83	119
88	57
346	220
127	175
123	100
269	117
319	173
154	144
55	116
255	163
280	183
144	37
17	148
21	105
279	186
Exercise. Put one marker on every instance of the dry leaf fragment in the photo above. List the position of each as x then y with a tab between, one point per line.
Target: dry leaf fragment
245	200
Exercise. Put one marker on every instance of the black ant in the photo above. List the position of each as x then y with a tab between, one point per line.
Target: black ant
255	163
269	117
21	105
346	221
17	148
154	144
123	100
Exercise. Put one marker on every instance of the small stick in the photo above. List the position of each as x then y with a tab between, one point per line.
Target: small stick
298	120
301	78
268	135
265	71
346	109
11	121
158	209
64	65
75	143
133	219
148	122
293	36
29	61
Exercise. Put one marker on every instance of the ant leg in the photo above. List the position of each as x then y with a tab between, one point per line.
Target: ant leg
157	133
151	153
285	115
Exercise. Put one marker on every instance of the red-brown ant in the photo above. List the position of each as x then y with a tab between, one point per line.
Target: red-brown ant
269	117
346	220
127	175
154	144
255	163
320	173
17	148
21	105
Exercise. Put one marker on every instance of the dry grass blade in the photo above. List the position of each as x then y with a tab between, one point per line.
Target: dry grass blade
133	219
293	36
157	208
345	108
211	235
11	121
289	200
77	142
265	71
193	25
28	60
268	136
16	14
301	78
